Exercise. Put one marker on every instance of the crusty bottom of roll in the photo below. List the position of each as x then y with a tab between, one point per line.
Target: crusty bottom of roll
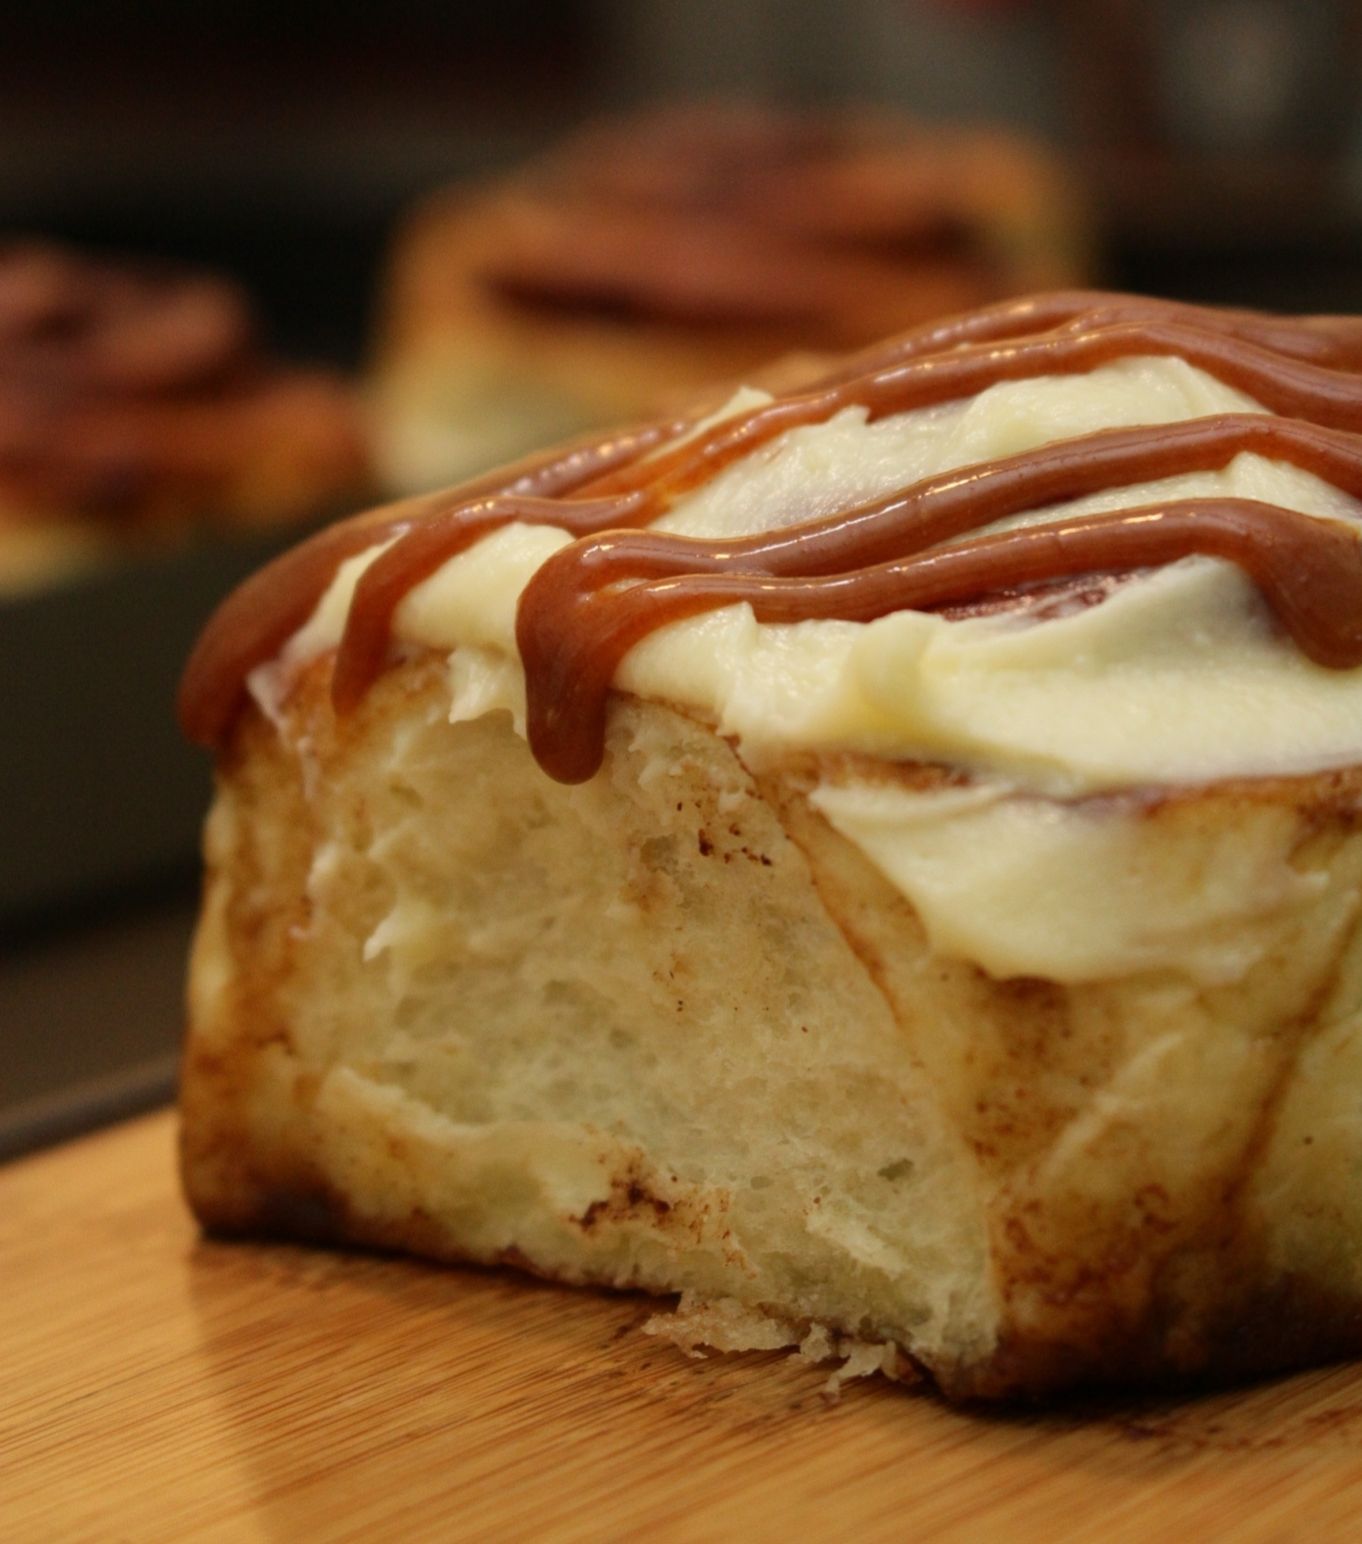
668	1030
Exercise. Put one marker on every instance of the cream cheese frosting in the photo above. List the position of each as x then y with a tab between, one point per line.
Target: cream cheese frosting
1182	677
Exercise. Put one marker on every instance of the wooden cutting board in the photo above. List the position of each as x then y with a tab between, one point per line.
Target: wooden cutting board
158	1387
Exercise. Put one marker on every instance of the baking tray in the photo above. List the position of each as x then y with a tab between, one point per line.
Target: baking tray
97	789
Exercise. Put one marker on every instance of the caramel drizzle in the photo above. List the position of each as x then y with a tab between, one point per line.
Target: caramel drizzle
1322	340
572	641
258	618
1294	388
590	603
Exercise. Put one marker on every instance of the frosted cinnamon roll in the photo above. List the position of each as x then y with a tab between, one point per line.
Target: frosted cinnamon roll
651	258
882	862
137	398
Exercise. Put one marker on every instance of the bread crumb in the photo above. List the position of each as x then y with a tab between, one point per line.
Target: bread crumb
722	1325
697	1327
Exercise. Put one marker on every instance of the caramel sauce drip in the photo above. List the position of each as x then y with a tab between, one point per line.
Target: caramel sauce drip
917	548
259	617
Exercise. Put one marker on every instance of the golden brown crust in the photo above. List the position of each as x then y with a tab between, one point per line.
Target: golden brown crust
1252	1332
651	261
1172	1230
136	400
1177	1285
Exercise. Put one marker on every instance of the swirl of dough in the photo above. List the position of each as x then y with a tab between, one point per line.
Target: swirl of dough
139	391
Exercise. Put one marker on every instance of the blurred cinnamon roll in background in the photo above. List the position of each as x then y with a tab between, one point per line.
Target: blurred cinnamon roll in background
655	256
137	400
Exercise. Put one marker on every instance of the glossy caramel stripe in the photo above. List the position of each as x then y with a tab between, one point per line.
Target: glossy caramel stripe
1324	340
1307	569
952	503
872	559
255	621
426	546
936	509
1291	387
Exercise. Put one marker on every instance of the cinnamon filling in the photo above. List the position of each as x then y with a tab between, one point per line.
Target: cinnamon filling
760	219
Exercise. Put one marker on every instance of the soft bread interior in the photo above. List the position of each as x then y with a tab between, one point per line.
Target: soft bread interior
611	1032
668	1029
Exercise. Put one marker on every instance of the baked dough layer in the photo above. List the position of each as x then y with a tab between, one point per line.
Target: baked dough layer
653	261
668	1030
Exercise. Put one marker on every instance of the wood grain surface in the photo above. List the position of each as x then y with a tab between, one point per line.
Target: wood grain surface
160	1387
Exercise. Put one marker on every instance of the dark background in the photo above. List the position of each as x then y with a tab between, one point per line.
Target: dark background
1218	140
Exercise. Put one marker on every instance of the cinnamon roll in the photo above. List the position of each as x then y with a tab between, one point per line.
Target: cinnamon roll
136	399
652	258
881	861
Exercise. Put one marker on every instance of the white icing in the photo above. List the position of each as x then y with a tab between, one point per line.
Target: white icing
1178	677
